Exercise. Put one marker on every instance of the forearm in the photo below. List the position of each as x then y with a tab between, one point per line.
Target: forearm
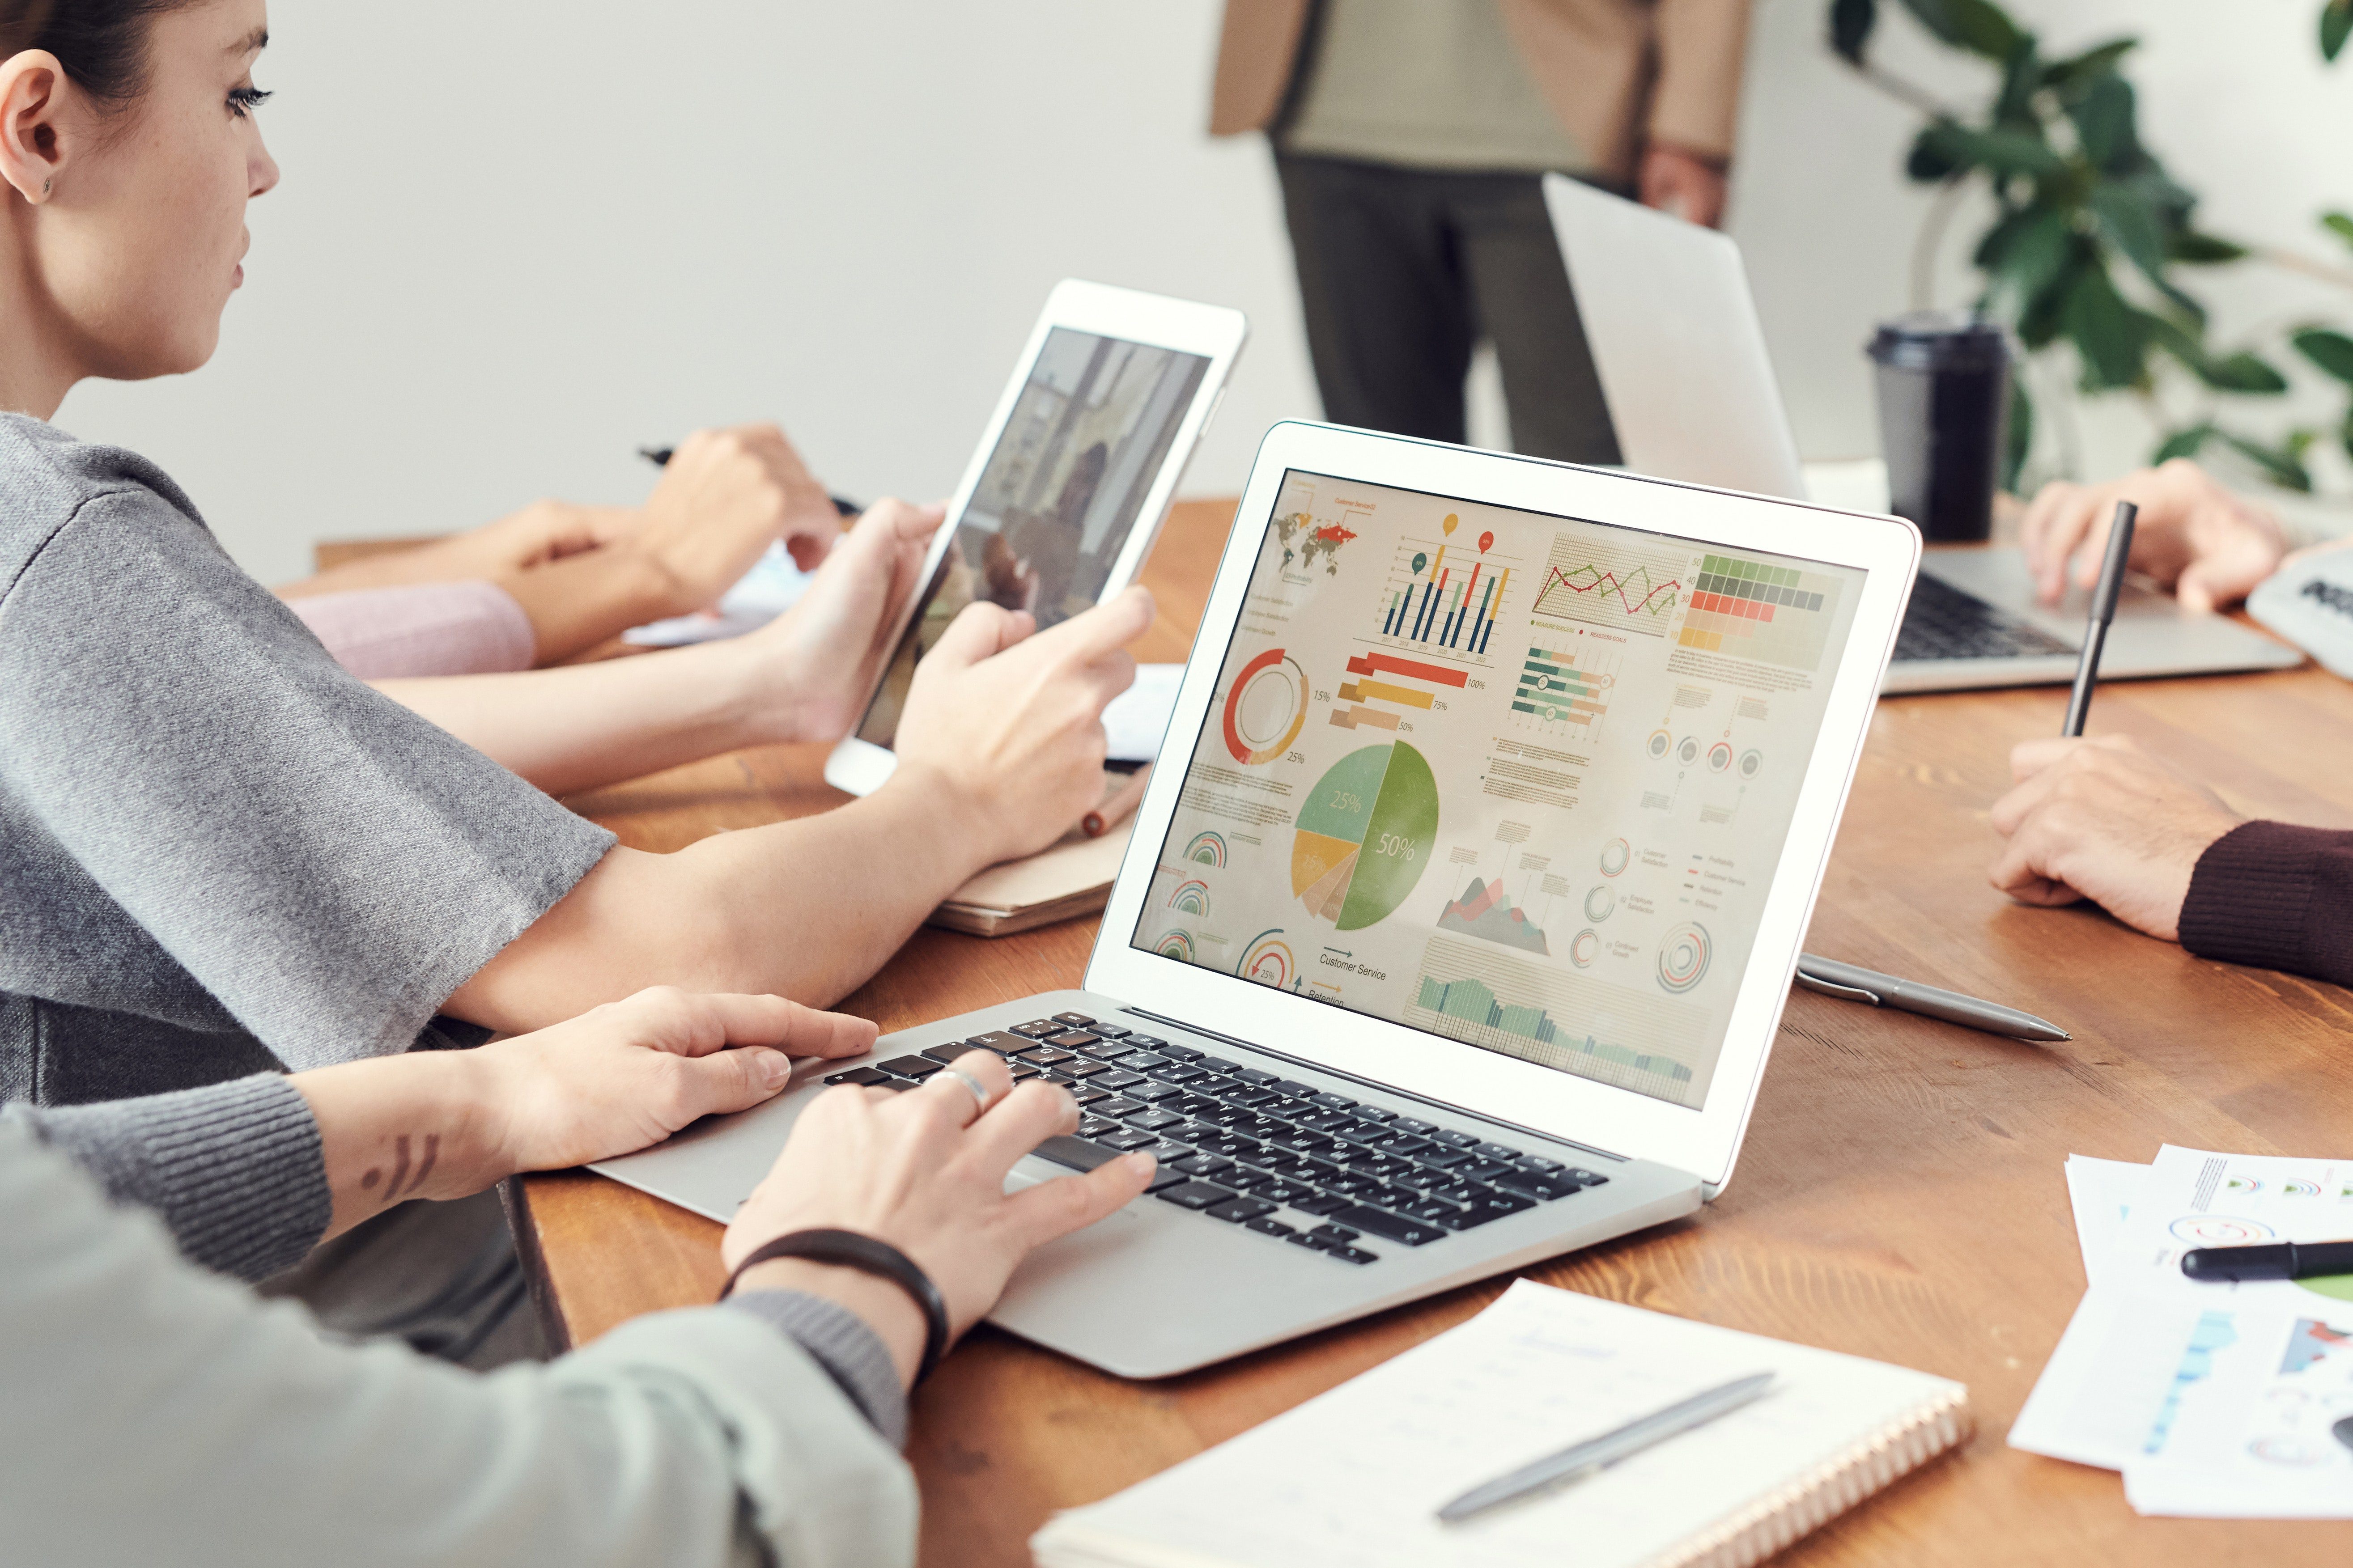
2277	896
395	1128
233	1169
583	600
593	724
400	564
806	908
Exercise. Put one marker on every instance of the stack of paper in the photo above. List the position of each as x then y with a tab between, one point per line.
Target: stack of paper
2225	1401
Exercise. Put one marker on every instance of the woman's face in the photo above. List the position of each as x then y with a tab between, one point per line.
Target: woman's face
140	245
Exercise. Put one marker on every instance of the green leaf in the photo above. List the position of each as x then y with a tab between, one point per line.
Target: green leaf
2335	25
2017	438
2131	225
2098	61
2110	336
2182	444
2345	433
2041	319
2025	256
2339	224
2246	373
1949	149
2283	464
2191	248
1978	25
2331	351
1851	24
2104	122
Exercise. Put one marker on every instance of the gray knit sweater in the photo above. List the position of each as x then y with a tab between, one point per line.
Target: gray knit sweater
236	1175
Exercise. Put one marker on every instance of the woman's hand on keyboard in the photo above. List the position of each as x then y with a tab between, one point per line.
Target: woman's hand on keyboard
924	1171
2192	535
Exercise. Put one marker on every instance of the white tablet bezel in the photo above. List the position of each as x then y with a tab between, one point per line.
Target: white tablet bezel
1704	1141
1212	331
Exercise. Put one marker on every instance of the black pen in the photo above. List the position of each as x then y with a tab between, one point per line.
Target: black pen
2103	610
2271	1260
660	458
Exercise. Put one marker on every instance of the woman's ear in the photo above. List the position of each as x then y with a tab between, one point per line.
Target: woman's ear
33	146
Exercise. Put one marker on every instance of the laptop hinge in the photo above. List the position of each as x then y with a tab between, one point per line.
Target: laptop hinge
1388	1089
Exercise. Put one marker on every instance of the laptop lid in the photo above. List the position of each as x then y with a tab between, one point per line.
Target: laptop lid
1508	783
1675	337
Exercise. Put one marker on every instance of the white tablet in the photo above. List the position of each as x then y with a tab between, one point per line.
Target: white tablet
1066	491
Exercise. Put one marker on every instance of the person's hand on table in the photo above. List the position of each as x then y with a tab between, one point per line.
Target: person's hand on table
924	1170
820	659
1005	723
2192	535
444	1124
1684	183
2103	820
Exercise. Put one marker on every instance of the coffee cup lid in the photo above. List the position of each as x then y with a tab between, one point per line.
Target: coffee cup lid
1940	339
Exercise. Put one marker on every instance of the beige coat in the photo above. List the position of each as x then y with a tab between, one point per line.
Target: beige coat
1621	74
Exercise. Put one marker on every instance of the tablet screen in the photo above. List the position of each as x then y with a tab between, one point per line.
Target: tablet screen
1059	497
1516	780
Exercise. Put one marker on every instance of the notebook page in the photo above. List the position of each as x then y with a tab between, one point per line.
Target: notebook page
1356	1476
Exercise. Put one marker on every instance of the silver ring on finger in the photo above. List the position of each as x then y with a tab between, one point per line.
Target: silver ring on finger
979	1090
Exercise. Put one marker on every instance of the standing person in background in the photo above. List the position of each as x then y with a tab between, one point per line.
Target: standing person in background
1409	136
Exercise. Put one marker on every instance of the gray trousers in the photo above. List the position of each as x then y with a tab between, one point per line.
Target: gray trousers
1402	272
443	1278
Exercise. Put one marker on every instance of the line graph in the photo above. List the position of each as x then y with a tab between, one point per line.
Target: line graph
1610	585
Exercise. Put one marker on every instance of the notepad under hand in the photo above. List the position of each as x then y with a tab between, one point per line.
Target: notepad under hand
1356	1476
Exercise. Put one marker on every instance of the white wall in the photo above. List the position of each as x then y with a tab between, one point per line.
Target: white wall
517	239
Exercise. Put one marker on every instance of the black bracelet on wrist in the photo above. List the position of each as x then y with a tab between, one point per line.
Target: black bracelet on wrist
849	1249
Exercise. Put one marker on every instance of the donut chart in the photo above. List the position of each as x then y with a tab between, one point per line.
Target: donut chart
1266	707
1615	855
1583	946
1269	961
1599	904
1683	957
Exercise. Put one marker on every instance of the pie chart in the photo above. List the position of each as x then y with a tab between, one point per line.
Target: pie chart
1363	835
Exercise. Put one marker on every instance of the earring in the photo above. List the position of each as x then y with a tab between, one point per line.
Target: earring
45	186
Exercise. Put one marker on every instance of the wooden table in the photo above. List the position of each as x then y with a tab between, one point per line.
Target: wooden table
1900	1194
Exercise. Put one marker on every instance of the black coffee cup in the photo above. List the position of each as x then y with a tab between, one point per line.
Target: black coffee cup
1944	418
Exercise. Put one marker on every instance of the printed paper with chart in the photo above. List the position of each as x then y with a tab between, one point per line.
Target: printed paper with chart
1517	780
2212	1398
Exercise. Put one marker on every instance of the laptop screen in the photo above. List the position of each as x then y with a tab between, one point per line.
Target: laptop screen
1515	780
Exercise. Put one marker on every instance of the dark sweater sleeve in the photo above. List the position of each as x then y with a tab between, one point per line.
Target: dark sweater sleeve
235	1170
2276	896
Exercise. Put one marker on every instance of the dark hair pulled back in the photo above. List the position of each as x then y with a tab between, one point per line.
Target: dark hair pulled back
102	44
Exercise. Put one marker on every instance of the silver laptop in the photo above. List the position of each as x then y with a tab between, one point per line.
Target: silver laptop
1458	917
1683	367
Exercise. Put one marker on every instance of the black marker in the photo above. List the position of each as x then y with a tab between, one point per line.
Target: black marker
660	458
2103	610
2273	1260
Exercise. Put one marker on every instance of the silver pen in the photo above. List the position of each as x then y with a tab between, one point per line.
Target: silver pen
1855	984
1599	1453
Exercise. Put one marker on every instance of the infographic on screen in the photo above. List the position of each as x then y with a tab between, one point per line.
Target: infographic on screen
1516	780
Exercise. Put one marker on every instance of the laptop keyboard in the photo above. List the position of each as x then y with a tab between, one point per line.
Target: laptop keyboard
1944	622
1245	1147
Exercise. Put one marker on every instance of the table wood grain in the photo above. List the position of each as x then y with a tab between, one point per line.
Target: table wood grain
1900	1194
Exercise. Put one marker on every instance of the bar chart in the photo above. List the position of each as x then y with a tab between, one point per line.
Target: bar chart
1444	595
1378	680
1564	690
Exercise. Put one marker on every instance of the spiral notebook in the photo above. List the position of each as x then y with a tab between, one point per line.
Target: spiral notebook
1356	1476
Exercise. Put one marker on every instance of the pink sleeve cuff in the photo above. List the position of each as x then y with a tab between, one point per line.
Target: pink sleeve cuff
430	628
